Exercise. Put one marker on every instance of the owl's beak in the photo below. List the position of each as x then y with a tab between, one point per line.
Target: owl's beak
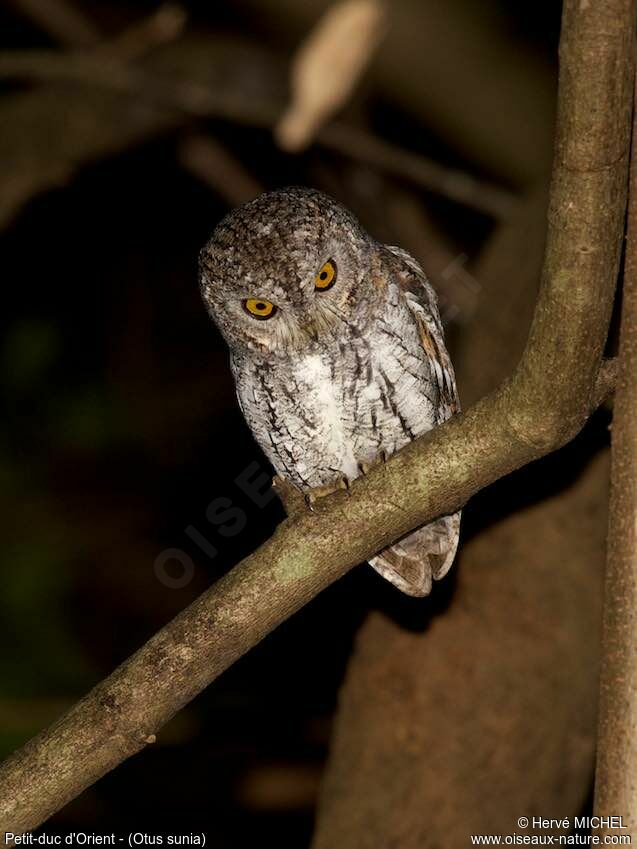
312	331
319	323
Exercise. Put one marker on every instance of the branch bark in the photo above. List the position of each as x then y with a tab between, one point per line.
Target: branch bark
537	410
616	779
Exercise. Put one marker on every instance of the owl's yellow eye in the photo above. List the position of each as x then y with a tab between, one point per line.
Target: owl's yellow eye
259	308
326	277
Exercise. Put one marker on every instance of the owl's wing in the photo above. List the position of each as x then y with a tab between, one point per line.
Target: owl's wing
423	303
426	553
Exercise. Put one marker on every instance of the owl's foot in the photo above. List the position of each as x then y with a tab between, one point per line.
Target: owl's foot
365	468
341	483
318	492
291	497
294	501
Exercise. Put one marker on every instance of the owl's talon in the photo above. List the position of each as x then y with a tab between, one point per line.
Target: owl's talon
318	492
365	468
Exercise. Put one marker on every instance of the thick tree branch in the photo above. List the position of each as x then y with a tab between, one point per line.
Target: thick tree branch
540	408
616	779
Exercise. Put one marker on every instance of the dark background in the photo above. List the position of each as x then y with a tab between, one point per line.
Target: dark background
120	423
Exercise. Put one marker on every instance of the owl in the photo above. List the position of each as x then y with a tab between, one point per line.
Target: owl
337	352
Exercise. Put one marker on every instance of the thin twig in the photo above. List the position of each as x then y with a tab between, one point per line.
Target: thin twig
61	20
180	95
215	166
164	25
197	100
327	67
72	28
458	186
541	407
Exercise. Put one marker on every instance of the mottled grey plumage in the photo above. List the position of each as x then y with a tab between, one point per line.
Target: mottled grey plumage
334	379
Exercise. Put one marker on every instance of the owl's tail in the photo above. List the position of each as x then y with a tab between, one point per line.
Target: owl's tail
412	562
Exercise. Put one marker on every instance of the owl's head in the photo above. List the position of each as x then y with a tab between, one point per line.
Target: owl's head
289	270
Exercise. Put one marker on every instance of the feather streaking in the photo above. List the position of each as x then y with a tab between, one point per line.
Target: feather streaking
335	379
